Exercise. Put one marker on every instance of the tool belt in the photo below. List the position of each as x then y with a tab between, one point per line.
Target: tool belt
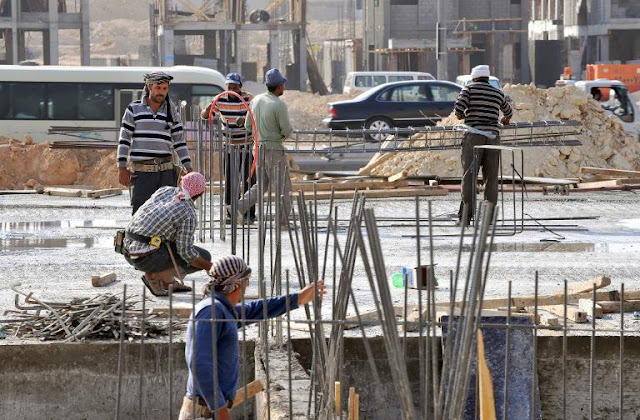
201	410
152	165
154	241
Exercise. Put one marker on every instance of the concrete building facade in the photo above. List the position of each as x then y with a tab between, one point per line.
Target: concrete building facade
401	35
589	31
19	18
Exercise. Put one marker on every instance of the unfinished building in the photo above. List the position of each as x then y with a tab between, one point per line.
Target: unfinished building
25	23
586	32
220	29
478	32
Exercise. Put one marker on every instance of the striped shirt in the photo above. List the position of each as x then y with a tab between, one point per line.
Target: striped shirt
230	108
145	135
173	221
479	104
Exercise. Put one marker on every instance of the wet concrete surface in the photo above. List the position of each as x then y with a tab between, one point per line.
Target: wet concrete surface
53	245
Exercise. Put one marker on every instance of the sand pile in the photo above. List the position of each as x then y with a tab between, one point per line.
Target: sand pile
604	141
21	162
307	110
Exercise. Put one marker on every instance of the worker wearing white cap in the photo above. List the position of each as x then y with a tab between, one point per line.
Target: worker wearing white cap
479	105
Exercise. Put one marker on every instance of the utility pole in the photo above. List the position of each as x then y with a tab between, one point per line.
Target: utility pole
442	53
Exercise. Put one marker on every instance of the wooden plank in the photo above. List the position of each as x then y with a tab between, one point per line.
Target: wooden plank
180	310
104	193
252	389
337	398
573	312
586	305
551	299
487	402
598	184
399	176
613	306
607	171
63	192
103	280
399	192
629	181
9	192
587	286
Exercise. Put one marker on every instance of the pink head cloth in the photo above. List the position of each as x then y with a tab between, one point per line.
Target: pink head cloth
193	183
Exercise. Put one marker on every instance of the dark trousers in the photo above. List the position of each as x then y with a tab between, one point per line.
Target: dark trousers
472	160
144	184
243	156
160	260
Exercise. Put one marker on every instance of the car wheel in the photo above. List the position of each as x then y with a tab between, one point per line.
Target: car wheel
379	123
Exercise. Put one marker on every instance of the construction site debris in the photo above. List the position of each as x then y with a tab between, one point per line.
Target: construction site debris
96	318
605	143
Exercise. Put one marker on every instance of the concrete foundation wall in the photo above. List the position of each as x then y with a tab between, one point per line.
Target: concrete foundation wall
385	405
80	380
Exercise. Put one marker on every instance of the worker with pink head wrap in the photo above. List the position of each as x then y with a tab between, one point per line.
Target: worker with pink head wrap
159	238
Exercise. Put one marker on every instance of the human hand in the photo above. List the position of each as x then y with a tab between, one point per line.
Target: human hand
505	121
124	176
240	122
306	295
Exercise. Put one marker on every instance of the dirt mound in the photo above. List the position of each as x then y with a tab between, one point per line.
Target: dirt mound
604	141
21	162
307	110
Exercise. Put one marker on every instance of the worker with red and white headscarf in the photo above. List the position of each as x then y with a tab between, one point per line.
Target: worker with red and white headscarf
159	237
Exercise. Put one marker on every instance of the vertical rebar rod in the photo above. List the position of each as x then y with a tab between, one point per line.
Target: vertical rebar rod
534	369
592	361
507	355
564	350
142	355
121	350
621	379
170	411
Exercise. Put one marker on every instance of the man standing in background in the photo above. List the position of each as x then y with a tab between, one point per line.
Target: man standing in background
273	125
238	141
479	105
151	130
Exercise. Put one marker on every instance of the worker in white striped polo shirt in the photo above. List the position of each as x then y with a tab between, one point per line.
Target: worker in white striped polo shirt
151	130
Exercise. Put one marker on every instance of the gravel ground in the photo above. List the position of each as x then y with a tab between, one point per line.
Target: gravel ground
52	246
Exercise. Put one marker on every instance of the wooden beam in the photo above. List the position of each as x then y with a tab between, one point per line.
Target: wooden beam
399	176
607	171
252	389
104	193
103	280
63	192
613	306
487	402
587	286
573	312
586	305
551	299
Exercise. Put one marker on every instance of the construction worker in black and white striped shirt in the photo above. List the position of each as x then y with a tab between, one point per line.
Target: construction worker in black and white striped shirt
151	130
479	105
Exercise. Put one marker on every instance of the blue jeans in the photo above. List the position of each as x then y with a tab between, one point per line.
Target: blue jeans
160	260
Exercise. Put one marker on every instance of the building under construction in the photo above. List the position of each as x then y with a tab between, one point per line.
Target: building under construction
24	20
574	33
401	35
222	27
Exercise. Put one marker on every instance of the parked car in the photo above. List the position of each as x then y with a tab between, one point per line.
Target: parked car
412	103
465	79
361	81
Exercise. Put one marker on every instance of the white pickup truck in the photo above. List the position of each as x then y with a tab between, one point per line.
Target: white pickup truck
614	98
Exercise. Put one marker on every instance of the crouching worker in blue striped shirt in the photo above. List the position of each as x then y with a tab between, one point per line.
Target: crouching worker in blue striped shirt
159	238
229	280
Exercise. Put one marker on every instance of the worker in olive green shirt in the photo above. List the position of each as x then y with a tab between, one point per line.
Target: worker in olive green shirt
273	125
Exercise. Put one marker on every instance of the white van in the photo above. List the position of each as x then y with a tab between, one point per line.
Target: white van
360	81
465	79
